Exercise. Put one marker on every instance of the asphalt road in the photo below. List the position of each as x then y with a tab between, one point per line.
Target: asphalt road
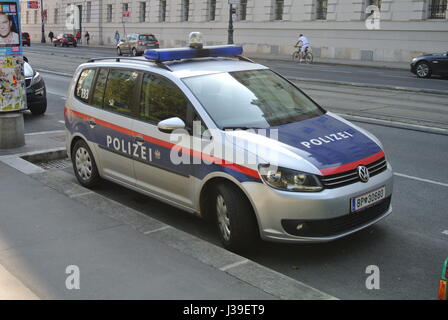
366	75
408	247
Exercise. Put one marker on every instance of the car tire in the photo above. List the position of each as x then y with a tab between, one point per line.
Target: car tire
38	110
119	52
84	165
75	45
423	70
235	220
55	44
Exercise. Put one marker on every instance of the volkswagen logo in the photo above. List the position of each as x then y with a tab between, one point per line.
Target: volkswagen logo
363	173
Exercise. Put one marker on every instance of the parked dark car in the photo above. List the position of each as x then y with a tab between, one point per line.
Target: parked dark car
36	92
65	40
135	44
26	39
431	64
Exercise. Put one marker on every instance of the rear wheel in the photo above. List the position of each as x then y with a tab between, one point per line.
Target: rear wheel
84	165
423	70
235	220
295	56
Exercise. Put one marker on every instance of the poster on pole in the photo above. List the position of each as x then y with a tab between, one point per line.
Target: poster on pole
12	80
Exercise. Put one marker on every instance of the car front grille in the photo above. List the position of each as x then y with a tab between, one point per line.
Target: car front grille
335	226
349	177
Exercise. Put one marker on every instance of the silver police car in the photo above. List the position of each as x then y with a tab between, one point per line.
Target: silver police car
217	135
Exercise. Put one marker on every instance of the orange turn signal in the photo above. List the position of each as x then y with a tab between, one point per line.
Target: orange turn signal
442	290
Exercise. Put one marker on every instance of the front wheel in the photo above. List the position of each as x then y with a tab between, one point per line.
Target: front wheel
423	70
40	109
309	58
84	165
237	225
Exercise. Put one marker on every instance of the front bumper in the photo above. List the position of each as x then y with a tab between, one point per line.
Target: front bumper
36	94
328	211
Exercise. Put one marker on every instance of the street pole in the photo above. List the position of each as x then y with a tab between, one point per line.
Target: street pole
230	39
42	40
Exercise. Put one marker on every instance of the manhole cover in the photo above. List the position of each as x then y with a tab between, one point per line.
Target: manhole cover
59	164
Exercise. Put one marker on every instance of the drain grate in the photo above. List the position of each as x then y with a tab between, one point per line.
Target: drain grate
59	164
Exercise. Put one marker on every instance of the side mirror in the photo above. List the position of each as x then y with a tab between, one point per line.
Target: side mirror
171	124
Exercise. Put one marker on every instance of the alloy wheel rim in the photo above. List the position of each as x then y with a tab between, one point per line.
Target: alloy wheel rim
422	70
83	164
223	218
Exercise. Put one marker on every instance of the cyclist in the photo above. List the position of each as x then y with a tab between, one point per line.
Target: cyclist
302	44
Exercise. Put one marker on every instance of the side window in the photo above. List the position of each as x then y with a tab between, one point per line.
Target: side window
84	85
100	88
120	91
161	99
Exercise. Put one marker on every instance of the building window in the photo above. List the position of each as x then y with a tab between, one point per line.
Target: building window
35	17
88	11
243	10
185	9
437	9
55	18
142	15
321	10
162	11
278	12
212	10
109	13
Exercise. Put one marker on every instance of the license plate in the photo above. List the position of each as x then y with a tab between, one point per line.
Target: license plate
368	199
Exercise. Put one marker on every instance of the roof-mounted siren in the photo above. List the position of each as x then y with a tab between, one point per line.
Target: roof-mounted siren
195	50
195	40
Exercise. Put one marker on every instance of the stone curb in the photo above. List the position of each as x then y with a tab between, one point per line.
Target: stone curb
276	284
394	124
367	85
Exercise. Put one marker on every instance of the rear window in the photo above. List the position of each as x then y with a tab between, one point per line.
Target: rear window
147	37
25	34
84	85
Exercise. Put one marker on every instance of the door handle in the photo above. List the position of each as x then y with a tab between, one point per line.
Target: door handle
139	139
91	122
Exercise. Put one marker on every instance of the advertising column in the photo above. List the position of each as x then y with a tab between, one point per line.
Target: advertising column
12	80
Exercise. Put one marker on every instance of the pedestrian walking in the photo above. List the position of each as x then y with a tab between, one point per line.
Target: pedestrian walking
78	37
87	36
51	36
117	37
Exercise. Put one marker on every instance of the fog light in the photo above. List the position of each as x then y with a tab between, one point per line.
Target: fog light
300	226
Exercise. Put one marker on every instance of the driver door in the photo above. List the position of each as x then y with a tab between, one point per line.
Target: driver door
160	170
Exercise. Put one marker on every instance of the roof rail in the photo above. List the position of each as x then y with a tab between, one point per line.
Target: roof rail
118	59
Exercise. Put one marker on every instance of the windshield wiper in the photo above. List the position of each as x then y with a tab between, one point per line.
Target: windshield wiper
239	127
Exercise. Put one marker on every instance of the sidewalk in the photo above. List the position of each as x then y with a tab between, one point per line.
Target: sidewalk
48	222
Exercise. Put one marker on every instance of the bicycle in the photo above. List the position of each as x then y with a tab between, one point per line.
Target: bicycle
307	58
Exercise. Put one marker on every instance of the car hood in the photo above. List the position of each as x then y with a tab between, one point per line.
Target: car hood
431	56
322	145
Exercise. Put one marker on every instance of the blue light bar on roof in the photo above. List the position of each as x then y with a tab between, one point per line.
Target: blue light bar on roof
162	55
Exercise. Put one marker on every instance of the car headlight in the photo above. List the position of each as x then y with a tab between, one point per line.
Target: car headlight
288	179
36	79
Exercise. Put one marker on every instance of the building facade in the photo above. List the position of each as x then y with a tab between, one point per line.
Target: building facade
336	28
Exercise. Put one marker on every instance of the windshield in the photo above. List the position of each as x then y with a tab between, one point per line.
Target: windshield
146	38
251	99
